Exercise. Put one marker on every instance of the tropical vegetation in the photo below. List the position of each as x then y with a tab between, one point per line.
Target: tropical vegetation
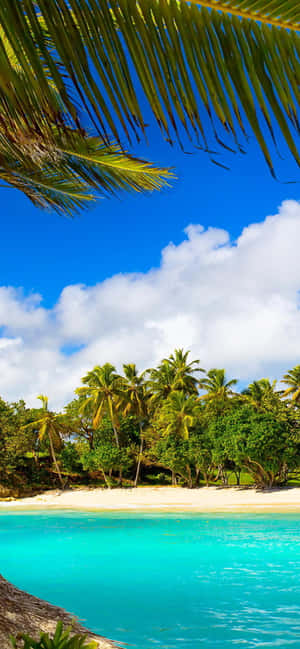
81	79
63	638
172	424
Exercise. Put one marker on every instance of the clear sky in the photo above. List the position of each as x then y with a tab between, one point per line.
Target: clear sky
47	345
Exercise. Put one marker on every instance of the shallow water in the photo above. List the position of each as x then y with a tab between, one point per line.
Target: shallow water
165	581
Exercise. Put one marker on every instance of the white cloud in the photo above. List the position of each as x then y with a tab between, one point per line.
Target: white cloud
234	304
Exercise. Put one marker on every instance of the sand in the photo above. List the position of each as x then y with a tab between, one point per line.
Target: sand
206	499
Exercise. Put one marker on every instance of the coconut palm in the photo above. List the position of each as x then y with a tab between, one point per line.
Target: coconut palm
292	379
179	413
134	401
176	417
215	70
51	428
173	373
184	370
161	383
133	392
261	393
101	393
216	385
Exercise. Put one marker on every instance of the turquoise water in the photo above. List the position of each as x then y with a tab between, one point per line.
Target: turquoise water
165	581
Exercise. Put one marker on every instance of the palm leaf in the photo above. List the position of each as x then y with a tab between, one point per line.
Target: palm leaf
43	429
69	171
33	424
296	395
280	14
288	391
233	61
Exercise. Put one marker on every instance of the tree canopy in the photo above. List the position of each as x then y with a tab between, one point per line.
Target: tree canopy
172	423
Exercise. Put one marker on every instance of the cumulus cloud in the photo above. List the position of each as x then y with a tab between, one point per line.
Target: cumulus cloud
234	304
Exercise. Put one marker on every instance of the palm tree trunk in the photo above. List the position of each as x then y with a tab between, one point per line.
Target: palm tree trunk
91	440
219	473
118	446
111	412
189	476
112	419
55	461
116	435
35	457
106	480
138	468
238	477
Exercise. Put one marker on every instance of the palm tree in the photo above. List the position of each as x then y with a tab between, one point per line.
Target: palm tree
161	383
216	385
133	401
50	427
233	62
292	379
179	412
183	371
173	373
101	392
261	393
177	416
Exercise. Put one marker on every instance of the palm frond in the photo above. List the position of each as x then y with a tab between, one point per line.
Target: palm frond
69	171
232	63
296	395
280	14
288	391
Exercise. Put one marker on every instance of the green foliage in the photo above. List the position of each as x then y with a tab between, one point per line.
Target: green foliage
202	453
178	414
173	453
62	639
102	386
79	423
257	441
106	457
166	420
15	441
292	379
216	385
70	458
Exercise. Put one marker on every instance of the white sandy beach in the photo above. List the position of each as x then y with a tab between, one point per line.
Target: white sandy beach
206	499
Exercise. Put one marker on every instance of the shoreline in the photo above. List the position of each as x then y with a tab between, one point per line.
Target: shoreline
162	499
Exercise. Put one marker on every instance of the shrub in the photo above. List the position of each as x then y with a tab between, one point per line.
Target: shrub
62	639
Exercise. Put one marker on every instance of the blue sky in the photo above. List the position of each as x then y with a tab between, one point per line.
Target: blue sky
43	252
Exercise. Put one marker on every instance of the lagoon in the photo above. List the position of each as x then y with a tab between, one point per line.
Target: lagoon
163	580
